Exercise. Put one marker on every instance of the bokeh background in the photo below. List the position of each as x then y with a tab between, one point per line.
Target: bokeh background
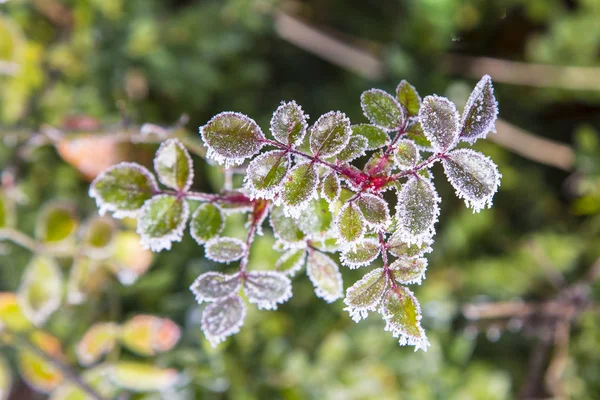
510	299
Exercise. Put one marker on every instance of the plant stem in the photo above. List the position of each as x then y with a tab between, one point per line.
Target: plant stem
19	238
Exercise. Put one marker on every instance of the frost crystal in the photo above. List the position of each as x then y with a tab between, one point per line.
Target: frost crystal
325	275
206	222
409	270
365	294
265	174
362	254
40	293
350	223
266	289
299	187
211	286
161	221
291	262
288	124
376	137
224	249
397	247
417	210
474	176
374	210
408	96
440	122
481	112
406	154
223	318
330	187
173	165
382	109
330	134
402	315
356	148
286	229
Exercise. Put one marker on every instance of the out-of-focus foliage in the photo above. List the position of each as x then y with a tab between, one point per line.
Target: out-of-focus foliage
151	60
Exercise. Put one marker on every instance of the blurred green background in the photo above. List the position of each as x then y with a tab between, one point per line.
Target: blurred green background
115	64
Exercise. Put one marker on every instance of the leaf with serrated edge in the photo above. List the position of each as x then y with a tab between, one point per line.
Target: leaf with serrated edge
374	209
330	187
407	95
365	294
474	176
330	134
223	318
409	270
382	109
285	228
355	148
173	165
406	154
480	113
291	262
206	222
161	221
232	137
350	223
364	253
266	289
123	189
397	247
402	315
265	174
288	124
97	341
417	210
316	219
325	275
376	137
440	122
211	286
40	293
224	249
299	187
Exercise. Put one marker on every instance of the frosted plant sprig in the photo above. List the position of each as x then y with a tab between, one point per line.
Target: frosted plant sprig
321	188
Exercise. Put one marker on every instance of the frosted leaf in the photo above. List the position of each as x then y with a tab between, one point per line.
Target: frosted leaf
379	164
316	218
474	176
223	318
330	187
97	341
364	253
266	289
330	134
56	223
291	262
406	154
440	122
265	173
224	249
374	209
206	222
397	247
480	113
211	286
402	315
231	137
376	137
288	124
350	223
365	294
355	148
237	202
416	134
324	274
417	210
41	289
327	244
407	95
161	221
173	165
382	109
123	189
299	187
285	228
409	270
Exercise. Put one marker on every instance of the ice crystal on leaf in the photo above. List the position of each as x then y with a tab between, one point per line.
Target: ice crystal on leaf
399	248
330	134
285	229
382	109
266	289
409	270
417	210
265	173
363	253
350	223
330	187
223	318
173	165
402	315
365	294
407	95
480	113
440	122
288	124
161	221
291	262
299	187
376	137
355	148
325	275
211	286
316	219
406	154
206	222
374	210
224	249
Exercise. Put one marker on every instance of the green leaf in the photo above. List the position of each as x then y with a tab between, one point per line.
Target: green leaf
267	289
207	222
374	209
131	259
316	218
382	109
402	315
97	341
56	223
285	228
80	275
265	173
330	134
223	318
330	187
211	286
397	247
161	221
299	187
417	210
40	293
142	377
364	253
481	112
325	276
173	165
36	370
416	134
224	249
379	164
407	95
409	270
406	154
291	261
376	137
98	236
288	124
123	189
474	176
232	137
148	335
350	223
440	122
355	148
365	294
